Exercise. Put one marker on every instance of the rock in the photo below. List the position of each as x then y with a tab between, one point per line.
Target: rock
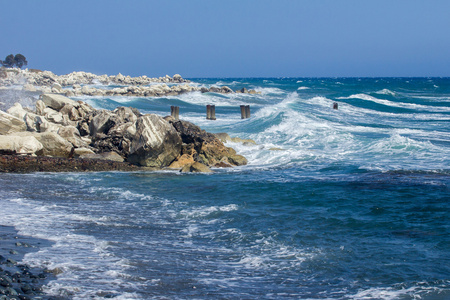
82	151
57	101
53	115
126	114
40	106
243	141
214	89
112	156
30	121
42	125
10	124
57	87
209	149
155	144
19	144
226	90
182	161
72	135
244	90
54	145
177	78
102	122
237	160
196	167
17	111
71	111
224	137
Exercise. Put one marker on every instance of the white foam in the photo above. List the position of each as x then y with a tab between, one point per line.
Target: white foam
204	211
385	293
397	104
386	92
88	265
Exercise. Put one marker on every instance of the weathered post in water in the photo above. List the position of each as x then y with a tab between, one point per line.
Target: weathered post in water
210	112
175	112
245	111
242	111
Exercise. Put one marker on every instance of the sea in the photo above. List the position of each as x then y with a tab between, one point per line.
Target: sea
346	203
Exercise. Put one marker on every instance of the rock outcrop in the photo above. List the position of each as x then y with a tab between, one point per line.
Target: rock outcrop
61	127
204	147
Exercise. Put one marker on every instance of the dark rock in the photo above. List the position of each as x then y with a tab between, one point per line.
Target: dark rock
208	147
11	292
27	289
5	281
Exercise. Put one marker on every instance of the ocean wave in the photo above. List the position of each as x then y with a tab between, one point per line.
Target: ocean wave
386	92
421	290
412	106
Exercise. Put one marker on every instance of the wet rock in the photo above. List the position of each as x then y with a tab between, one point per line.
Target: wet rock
155	144
209	149
196	167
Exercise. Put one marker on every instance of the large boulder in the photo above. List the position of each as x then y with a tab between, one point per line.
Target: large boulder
19	144
54	145
57	101
102	122
10	124
72	135
156	143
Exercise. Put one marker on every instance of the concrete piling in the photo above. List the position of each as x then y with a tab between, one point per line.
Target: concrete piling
210	112
175	112
245	111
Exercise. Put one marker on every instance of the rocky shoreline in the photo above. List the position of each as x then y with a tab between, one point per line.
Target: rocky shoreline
18	280
80	84
61	134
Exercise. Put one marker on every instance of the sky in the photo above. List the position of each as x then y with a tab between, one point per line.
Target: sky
212	38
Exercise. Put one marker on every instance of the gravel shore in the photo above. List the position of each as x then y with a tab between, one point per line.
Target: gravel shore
18	280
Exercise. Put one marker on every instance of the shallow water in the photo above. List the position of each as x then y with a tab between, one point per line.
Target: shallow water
354	205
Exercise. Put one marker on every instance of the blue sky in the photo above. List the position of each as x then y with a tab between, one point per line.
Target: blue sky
282	38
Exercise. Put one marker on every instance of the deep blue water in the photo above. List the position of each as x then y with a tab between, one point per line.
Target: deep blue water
334	204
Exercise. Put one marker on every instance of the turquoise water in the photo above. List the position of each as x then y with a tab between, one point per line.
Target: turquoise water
334	204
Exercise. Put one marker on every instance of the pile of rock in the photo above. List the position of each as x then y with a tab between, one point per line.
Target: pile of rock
61	127
80	83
